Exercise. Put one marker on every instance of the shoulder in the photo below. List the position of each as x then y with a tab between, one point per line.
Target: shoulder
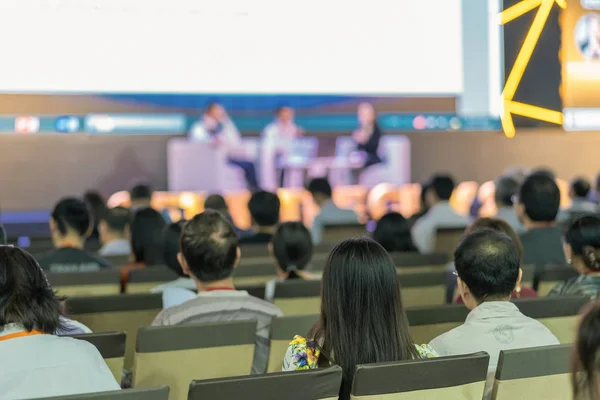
426	351
301	355
447	340
266	307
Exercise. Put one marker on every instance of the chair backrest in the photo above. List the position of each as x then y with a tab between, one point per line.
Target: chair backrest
96	283
427	323
125	312
254	274
176	355
143	280
423	288
253	290
334	233
456	378
256	251
151	393
283	330
552	275
298	297
118	261
446	239
318	384
415	262
111	346
533	373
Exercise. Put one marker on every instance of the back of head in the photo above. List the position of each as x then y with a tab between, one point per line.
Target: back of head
442	186
583	236
393	233
320	187
72	215
140	192
292	247
147	228
544	171
264	208
96	204
26	297
3	237
362	319
506	188
216	202
487	261
172	246
209	246
117	219
580	188
540	197
585	368
498	225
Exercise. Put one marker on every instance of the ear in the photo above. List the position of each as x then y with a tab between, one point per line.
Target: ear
184	265
463	289
519	277
52	224
520	210
238	255
568	250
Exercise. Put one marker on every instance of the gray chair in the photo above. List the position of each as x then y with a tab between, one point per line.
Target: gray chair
156	393
118	261
446	239
552	275
416	262
427	323
143	280
111	346
423	288
298	297
318	384
96	283
283	330
335	233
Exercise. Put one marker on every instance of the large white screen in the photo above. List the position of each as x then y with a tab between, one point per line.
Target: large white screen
232	46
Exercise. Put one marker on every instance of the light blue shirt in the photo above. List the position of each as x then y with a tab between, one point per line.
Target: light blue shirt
578	206
508	214
117	247
330	214
176	292
441	215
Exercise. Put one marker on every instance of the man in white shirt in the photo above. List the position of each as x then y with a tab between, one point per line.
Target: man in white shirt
440	214
487	263
113	228
329	213
216	127
506	188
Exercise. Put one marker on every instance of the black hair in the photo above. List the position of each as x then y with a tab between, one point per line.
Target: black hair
320	186
362	319
26	297
264	208
580	187
215	202
423	196
442	185
544	171
140	191
172	246
292	247
97	206
3	238
488	262
147	228
117	218
499	225
584	361
72	213
540	196
209	245
280	107
393	233
210	104
506	188
583	235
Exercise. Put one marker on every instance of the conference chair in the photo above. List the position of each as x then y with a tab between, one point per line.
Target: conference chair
427	323
298	297
407	263
447	239
457	378
423	288
152	393
318	384
536	373
125	312
143	280
254	274
283	330
97	283
176	355
111	346
118	261
552	275
255	252
335	233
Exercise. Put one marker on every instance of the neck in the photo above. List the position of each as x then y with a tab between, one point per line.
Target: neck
69	241
323	200
206	286
537	225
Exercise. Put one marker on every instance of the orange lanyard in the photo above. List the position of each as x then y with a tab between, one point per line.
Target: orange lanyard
20	334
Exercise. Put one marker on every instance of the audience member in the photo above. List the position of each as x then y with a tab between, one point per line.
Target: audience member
147	228
506	189
440	214
585	367
217	202
579	191
423	207
393	233
264	210
140	196
582	248
209	254
487	263
3	238
36	363
362	319
70	226
329	212
97	207
114	230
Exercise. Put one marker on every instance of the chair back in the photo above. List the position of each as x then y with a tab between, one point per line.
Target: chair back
96	283
423	288
176	355
118	261
254	274
152	393
552	275
446	239
125	312
335	233
283	330
416	262
298	297
143	280
427	323
111	346
318	384
456	378
256	251
533	373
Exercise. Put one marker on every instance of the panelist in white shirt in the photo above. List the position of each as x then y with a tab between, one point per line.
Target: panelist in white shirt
217	128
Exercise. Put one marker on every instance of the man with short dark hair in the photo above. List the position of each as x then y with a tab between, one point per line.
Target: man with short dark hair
329	212
264	210
439	215
579	190
140	195
209	254
113	228
505	189
70	225
488	267
217	202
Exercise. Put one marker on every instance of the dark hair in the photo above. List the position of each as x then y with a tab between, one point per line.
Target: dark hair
423	196
584	360
97	206
72	213
215	202
117	218
498	225
209	245
393	233
140	191
544	171
506	188
264	208
362	319
442	185
280	108
147	228
580	187
319	186
26	297
292	247
487	261
212	103
172	246
3	238
540	197
583	235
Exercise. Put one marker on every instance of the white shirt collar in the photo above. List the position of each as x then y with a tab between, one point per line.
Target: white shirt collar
223	293
493	309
